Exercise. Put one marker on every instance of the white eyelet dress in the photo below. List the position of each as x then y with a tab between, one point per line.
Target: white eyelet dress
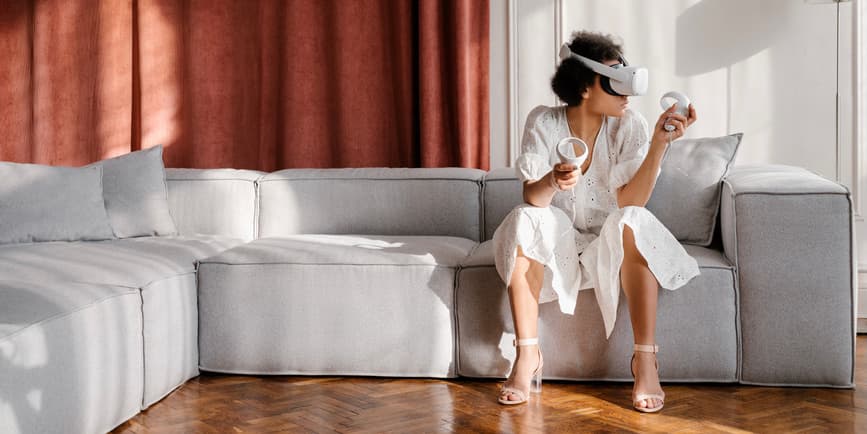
579	238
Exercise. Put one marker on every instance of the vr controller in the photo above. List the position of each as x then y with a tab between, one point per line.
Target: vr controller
682	105
567	153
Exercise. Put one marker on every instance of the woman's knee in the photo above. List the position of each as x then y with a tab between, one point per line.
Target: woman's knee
527	267
635	209
630	212
631	254
535	215
628	239
527	263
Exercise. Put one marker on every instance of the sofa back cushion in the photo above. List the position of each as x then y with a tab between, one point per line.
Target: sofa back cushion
46	203
134	187
371	201
503	192
214	201
686	198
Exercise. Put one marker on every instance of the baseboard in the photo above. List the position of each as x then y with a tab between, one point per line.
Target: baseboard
862	325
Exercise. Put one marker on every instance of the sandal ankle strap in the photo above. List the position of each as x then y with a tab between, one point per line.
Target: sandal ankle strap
646	348
522	342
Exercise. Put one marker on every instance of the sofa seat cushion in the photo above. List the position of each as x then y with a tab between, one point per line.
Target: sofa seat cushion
162	273
351	249
483	256
331	304
62	342
133	262
26	304
697	327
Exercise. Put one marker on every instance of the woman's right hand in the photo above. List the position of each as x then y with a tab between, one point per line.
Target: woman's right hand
564	176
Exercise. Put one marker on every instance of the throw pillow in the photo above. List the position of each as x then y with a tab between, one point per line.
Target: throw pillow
687	194
46	203
134	186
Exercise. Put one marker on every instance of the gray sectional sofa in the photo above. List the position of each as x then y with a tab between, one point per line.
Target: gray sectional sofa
390	272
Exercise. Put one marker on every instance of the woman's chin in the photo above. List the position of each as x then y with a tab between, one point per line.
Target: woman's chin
616	113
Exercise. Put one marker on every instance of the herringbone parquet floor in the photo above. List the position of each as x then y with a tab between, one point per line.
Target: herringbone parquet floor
226	404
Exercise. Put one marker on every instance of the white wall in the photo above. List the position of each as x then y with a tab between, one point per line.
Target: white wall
765	68
499	82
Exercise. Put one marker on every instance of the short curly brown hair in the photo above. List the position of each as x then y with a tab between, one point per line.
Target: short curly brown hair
573	77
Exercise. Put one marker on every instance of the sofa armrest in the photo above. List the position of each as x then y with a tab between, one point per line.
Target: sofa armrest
789	233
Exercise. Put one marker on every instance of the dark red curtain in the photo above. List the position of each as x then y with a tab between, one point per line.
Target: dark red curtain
256	84
65	80
453	73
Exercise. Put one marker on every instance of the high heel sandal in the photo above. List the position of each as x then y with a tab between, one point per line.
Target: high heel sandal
535	381
646	396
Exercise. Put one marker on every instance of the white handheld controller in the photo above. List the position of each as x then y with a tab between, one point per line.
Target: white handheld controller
682	105
567	153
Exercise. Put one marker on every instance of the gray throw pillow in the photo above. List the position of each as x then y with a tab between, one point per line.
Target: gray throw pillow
47	203
134	186
687	194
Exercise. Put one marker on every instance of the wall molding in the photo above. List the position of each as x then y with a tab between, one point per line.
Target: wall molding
515	126
558	38
512	76
859	44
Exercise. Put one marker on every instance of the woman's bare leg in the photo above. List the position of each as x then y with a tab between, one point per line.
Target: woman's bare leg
524	289
641	290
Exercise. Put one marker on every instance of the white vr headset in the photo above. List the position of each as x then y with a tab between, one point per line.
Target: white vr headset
620	80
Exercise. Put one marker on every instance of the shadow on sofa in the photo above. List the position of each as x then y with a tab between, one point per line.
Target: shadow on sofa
70	356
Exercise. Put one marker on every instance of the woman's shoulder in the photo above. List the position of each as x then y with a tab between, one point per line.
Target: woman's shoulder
631	124
543	116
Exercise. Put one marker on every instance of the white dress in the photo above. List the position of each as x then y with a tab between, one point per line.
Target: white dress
579	238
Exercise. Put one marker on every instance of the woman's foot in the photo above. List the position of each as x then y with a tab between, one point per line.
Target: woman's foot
528	362
647	394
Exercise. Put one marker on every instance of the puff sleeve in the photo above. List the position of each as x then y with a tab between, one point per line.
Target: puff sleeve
632	142
533	163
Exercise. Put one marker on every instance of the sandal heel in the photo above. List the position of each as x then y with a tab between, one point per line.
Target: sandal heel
536	382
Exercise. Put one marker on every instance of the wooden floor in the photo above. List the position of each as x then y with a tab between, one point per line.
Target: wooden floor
220	404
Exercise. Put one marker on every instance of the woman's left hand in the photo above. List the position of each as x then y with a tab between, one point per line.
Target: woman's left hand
671	117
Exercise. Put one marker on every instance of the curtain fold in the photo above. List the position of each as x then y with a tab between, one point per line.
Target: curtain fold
69	87
454	58
258	85
16	109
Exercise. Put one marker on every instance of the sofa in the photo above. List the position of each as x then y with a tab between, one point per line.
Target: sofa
389	272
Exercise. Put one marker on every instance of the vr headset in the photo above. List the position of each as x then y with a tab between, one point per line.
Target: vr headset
619	80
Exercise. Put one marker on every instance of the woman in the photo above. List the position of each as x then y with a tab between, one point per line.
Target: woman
586	227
